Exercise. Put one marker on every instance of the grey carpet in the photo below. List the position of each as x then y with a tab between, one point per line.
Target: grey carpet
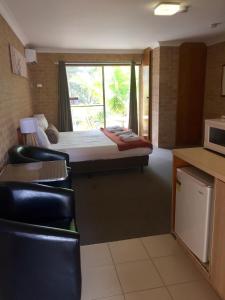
125	204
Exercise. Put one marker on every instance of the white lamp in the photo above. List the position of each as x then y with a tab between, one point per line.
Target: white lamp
28	127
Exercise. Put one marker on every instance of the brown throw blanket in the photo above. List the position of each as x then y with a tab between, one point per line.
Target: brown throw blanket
122	146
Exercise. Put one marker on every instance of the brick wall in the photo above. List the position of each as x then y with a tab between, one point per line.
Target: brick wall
214	105
168	91
164	95
45	99
164	90
155	95
15	97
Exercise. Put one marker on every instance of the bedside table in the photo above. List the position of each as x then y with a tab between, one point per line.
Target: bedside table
39	172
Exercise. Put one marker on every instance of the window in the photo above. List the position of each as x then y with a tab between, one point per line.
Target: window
99	95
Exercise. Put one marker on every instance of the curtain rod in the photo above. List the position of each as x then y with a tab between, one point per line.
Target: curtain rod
98	63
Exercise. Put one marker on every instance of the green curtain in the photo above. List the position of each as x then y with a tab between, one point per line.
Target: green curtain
133	114
65	118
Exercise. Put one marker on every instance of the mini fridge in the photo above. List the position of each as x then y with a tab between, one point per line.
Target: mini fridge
193	212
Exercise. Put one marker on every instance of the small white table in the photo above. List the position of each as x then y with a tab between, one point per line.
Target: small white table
44	171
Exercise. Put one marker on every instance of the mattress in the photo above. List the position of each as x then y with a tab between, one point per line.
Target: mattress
93	145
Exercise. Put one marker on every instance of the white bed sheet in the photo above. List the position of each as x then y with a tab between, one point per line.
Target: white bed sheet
92	145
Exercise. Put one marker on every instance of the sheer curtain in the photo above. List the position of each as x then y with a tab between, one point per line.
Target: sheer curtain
64	114
133	113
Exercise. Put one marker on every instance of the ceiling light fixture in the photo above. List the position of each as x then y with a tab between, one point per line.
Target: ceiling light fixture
167	9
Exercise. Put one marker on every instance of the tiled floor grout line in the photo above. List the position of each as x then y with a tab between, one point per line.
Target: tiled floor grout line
166	285
103	298
156	269
114	264
180	283
131	261
102	266
152	261
149	258
144	290
184	282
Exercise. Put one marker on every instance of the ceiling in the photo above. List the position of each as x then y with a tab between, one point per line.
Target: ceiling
111	24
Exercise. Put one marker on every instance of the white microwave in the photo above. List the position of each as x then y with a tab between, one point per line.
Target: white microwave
215	135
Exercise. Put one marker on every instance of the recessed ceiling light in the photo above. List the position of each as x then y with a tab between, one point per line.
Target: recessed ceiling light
167	9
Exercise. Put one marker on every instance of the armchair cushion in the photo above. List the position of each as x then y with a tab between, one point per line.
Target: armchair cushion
38	263
37	204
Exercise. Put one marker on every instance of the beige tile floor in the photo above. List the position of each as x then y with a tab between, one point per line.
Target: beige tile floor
149	268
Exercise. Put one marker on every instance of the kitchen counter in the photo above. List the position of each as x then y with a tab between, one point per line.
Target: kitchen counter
207	161
214	165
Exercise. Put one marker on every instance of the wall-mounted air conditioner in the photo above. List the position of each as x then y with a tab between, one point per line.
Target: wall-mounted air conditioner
31	56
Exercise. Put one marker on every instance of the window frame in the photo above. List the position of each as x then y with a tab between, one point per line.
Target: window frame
102	65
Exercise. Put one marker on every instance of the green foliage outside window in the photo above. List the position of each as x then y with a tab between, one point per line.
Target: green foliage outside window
86	88
119	87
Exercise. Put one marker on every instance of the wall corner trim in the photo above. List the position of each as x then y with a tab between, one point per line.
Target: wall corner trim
217	40
7	14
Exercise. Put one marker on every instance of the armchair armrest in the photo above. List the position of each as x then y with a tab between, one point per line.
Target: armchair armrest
26	154
16	156
35	203
43	263
45	154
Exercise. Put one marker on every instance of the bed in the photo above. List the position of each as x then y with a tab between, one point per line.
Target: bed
92	151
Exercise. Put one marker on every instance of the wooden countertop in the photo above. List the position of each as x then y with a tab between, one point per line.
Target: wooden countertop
209	162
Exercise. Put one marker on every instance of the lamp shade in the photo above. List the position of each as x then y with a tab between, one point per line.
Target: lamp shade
28	125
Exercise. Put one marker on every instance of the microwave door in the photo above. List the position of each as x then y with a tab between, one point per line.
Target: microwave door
215	139
217	136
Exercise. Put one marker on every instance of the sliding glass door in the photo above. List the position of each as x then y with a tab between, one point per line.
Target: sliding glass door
86	96
99	95
117	88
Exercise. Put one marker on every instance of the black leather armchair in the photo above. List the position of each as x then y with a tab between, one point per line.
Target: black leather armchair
28	154
38	262
37	204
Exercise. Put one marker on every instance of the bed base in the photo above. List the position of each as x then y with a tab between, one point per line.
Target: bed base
94	166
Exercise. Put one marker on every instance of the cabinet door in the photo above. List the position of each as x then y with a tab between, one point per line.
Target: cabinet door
192	59
217	267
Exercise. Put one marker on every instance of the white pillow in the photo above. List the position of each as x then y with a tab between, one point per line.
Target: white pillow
42	138
41	121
